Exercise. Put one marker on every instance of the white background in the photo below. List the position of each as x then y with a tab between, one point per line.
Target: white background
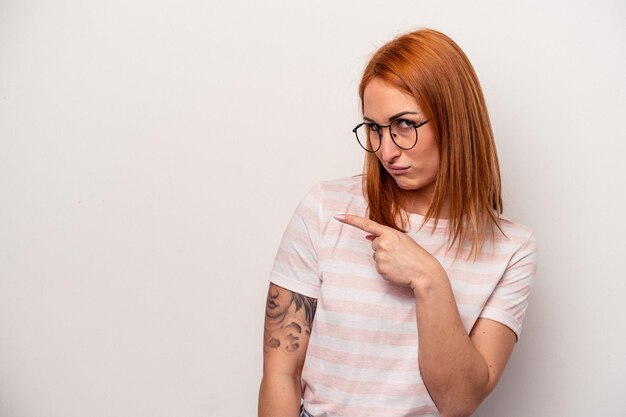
152	152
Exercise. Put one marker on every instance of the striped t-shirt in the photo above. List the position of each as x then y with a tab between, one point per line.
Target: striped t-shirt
362	358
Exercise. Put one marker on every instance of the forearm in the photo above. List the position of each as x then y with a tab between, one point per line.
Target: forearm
280	396
454	372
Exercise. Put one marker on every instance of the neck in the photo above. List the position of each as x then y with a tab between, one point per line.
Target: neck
420	201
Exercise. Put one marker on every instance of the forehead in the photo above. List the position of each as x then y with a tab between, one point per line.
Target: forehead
381	100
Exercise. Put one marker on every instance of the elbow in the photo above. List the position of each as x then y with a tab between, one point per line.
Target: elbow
458	411
463	398
462	408
457	414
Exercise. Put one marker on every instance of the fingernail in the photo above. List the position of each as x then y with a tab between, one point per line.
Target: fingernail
340	217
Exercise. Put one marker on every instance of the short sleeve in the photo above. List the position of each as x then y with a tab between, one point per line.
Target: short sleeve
508	302
296	263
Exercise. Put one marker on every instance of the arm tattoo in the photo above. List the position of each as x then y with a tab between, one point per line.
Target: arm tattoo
288	319
310	305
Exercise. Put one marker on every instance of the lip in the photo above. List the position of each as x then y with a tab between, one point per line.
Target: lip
397	170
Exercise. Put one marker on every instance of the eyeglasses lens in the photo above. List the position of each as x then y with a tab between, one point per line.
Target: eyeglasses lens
404	135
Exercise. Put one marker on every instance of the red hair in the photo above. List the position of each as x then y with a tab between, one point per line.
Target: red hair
432	68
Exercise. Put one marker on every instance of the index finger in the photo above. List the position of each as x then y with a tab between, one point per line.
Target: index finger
367	225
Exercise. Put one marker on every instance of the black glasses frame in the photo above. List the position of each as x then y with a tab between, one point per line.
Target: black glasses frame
380	135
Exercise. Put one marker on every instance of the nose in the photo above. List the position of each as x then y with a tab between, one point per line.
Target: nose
388	150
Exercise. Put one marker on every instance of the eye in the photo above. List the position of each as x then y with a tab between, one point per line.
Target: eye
373	127
405	124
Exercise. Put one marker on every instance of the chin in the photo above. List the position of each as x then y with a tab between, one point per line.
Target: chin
408	185
414	184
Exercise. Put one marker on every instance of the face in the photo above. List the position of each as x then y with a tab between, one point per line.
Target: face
278	302
414	169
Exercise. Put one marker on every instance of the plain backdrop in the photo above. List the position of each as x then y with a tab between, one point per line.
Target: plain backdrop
152	152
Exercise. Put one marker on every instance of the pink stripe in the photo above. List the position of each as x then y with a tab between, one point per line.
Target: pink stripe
518	288
352	185
469	299
363	335
402	314
473	277
363	361
308	215
516	310
363	256
479	301
342	206
377	285
366	387
296	261
380	285
521	269
339	410
295	237
347	255
488	259
358	238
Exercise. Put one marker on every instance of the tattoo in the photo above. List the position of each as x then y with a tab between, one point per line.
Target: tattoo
310	305
288	319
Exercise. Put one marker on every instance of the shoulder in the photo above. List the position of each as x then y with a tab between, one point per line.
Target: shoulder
520	239
329	198
511	227
347	190
347	185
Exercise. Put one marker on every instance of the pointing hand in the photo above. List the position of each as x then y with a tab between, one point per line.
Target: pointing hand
399	259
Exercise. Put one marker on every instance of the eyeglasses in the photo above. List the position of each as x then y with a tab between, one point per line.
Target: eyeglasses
403	133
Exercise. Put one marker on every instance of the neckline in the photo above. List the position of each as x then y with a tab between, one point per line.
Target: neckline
416	221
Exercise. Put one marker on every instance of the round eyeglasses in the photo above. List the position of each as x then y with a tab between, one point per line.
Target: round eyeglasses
403	133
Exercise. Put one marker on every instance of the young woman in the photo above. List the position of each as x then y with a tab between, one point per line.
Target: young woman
401	292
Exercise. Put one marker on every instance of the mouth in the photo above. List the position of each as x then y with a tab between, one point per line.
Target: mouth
396	169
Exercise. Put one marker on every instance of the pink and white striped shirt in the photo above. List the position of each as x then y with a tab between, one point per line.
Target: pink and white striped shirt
362	358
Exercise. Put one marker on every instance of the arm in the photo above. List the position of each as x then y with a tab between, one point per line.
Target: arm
288	321
459	370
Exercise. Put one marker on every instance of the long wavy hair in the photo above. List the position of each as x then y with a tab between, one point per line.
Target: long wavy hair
432	68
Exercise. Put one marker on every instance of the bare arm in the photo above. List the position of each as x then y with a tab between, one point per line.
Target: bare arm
459	370
288	321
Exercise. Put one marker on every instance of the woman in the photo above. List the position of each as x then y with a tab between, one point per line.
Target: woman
401	292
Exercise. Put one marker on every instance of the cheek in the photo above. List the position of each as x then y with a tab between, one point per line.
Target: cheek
433	167
430	156
426	159
434	160
283	302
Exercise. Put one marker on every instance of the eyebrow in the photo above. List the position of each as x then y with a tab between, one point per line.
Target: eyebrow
392	118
